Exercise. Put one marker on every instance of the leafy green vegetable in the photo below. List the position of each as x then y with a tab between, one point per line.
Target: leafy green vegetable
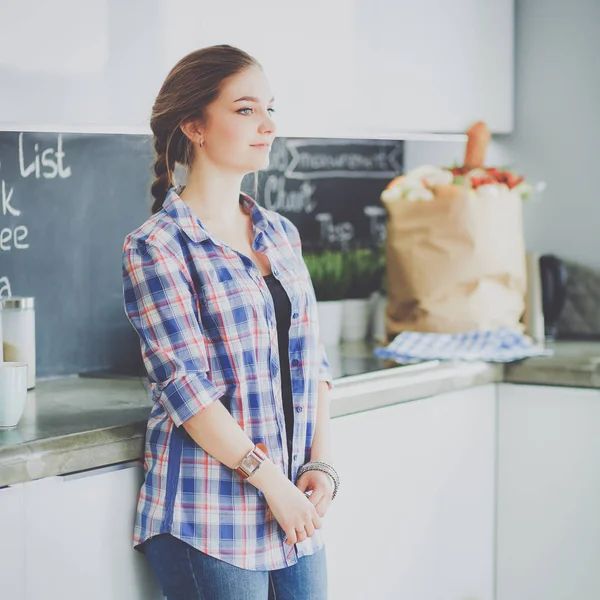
327	274
355	273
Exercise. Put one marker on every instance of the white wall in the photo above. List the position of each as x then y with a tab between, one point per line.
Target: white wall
557	126
558	123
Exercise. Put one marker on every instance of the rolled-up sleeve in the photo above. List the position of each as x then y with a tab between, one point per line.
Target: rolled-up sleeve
159	302
324	368
296	242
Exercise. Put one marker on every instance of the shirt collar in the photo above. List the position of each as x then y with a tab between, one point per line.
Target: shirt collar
191	225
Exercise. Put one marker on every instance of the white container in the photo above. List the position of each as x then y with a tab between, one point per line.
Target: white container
379	307
13	393
18	333
330	321
355	319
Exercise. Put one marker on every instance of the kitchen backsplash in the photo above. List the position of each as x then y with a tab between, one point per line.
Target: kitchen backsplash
69	200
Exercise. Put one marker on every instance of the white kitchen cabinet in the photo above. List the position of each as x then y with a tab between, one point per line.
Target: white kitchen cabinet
12	543
340	68
548	493
307	50
415	514
434	65
91	66
78	537
368	68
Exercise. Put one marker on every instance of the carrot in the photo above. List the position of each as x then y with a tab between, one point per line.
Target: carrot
478	139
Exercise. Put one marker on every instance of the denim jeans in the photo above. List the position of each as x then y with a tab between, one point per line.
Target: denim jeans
185	573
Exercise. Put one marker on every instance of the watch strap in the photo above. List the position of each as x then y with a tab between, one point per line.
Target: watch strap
252	461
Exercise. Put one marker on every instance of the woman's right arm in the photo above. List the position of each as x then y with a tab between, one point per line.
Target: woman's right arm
159	302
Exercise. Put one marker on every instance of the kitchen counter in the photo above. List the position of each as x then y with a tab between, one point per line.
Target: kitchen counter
72	424
573	364
77	423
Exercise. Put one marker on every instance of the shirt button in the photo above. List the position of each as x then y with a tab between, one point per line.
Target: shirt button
295	457
295	315
295	362
298	409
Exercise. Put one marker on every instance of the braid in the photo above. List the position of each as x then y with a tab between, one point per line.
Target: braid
164	168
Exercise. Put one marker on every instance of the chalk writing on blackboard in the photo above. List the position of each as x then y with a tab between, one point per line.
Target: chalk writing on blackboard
343	159
56	167
36	162
331	187
5	287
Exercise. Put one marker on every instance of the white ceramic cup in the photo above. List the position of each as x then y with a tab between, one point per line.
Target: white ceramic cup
13	392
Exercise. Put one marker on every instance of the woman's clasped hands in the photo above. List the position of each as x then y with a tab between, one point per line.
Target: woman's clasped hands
298	514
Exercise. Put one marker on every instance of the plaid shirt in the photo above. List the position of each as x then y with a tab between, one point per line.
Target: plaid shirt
207	330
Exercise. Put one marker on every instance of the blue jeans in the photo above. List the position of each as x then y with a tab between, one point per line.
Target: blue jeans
185	573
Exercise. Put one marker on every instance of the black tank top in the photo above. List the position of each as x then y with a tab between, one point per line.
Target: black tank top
283	309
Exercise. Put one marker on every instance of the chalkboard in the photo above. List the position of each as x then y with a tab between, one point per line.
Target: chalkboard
69	200
330	188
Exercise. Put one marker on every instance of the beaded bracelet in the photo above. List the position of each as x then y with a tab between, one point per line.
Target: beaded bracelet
317	465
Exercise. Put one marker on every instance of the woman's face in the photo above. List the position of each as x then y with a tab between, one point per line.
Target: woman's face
239	127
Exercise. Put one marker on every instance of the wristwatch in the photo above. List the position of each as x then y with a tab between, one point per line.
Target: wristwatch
252	461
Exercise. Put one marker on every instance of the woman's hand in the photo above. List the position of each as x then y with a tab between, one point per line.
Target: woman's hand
293	511
321	485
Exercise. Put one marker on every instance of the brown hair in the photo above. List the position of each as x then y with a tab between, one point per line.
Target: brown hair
191	85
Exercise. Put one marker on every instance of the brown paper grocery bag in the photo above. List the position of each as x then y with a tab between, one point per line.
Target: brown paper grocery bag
455	263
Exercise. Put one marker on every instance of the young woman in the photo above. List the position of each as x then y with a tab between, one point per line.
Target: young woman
237	462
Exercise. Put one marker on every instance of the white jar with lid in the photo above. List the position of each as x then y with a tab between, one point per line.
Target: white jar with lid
18	333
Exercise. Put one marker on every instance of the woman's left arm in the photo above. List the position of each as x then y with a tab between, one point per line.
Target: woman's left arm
321	446
320	483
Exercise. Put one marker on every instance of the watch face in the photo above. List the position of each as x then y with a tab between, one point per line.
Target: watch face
248	463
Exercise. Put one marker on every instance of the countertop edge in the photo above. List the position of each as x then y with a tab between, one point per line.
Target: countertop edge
71	453
443	379
559	376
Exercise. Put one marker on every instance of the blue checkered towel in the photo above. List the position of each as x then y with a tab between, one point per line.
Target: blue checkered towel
496	345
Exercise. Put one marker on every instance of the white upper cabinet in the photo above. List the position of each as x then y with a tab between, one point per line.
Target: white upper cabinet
368	68
338	68
305	48
434	65
91	66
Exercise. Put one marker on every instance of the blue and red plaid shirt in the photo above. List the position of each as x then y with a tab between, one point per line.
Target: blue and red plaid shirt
206	322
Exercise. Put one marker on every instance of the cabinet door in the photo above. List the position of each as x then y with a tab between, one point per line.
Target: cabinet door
548	493
108	84
340	68
434	65
415	514
305	49
12	544
367	68
78	537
